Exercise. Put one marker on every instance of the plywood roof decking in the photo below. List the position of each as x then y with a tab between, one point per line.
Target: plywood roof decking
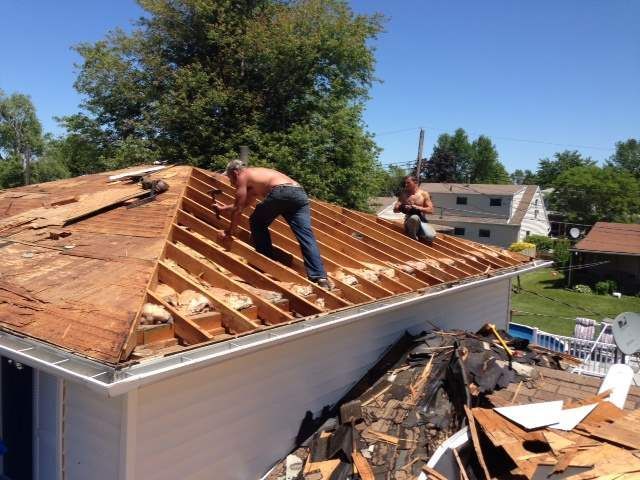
89	299
82	298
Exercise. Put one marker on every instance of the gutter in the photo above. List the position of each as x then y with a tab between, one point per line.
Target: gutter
113	382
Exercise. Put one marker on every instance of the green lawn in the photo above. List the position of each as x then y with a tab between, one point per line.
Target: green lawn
567	305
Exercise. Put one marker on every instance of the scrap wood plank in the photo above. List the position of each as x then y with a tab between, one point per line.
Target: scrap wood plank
266	310
326	467
236	321
475	439
461	467
362	465
353	295
433	474
257	263
185	328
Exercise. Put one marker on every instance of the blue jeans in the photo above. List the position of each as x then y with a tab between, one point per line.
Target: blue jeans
417	228
293	204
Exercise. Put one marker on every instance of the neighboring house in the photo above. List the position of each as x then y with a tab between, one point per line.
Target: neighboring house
89	392
491	214
615	249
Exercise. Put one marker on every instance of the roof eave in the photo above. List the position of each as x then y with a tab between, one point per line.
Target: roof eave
113	382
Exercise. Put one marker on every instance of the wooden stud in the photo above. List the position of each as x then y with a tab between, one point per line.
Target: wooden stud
266	310
186	329
236	321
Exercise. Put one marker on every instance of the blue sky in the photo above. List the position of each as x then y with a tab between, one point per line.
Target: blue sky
547	71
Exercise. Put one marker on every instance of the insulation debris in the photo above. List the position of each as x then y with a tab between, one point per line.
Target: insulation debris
345	278
393	420
168	294
152	313
381	269
193	302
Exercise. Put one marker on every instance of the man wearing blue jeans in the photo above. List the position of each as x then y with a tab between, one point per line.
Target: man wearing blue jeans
415	204
281	196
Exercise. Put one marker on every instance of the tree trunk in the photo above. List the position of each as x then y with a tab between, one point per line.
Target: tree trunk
26	165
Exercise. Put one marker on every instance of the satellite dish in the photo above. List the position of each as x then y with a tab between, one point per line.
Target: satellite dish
574	232
626	332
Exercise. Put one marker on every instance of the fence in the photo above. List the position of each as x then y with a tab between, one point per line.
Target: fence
596	356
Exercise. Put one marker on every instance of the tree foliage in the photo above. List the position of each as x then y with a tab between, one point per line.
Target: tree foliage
197	79
627	157
587	194
549	170
20	132
523	177
456	159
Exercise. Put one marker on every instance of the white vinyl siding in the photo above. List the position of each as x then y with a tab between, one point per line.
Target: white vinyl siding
47	425
233	420
91	434
535	220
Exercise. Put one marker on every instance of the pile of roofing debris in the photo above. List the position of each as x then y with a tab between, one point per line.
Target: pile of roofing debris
427	388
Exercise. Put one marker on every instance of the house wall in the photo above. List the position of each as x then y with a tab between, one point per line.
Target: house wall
234	419
477	205
91	434
624	269
502	235
532	223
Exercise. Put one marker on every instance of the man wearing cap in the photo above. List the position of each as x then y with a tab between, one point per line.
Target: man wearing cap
280	195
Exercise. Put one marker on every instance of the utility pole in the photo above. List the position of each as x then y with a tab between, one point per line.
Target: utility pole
419	159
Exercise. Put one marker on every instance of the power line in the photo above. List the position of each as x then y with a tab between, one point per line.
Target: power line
510	139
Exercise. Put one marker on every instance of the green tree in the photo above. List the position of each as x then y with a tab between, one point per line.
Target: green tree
523	177
485	166
549	170
451	158
587	194
197	79
627	157
20	131
391	181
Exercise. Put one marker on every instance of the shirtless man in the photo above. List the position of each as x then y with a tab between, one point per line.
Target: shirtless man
280	195
415	204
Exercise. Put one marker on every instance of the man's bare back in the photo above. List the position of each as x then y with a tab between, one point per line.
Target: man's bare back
260	181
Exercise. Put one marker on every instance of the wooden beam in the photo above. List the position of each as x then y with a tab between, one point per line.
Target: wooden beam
234	319
266	311
368	291
186	329
201	220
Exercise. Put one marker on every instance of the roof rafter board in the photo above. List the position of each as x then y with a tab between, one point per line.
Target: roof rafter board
235	320
365	286
267	311
352	294
185	328
378	248
455	269
202	220
338	258
439	242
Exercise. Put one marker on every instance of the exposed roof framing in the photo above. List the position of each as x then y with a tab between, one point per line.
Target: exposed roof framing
180	267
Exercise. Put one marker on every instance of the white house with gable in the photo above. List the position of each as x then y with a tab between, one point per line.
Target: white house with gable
492	214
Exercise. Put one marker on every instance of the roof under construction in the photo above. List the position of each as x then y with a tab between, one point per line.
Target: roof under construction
88	267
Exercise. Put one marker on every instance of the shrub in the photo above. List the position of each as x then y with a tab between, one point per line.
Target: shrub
542	243
519	246
561	252
605	287
586	289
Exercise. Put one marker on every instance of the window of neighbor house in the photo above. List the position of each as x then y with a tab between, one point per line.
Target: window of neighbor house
458	231
484	233
461	200
495	202
535	214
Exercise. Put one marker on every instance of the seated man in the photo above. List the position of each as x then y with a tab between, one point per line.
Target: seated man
415	204
280	195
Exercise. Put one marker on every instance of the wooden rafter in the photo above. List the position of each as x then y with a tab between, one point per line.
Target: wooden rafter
267	311
235	320
185	328
256	264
